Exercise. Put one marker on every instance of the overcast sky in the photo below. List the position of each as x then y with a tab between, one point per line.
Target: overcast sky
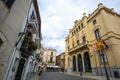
58	16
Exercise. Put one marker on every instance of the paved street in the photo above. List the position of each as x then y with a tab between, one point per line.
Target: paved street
60	76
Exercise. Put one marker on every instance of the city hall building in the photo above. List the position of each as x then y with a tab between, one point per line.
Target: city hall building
93	43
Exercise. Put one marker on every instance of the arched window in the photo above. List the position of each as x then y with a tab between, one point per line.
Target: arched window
79	27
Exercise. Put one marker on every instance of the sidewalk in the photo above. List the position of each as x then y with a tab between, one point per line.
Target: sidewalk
93	77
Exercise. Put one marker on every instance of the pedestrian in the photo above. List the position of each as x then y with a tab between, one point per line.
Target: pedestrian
62	69
80	73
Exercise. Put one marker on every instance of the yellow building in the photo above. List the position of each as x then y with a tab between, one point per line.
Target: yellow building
93	35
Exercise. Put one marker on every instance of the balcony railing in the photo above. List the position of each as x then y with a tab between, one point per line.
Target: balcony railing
34	25
26	51
81	46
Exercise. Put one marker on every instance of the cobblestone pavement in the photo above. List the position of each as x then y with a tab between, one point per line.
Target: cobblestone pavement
60	76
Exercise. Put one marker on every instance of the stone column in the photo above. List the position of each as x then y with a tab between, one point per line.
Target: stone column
83	63
76	63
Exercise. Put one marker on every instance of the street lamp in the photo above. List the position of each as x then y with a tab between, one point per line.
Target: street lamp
101	47
105	65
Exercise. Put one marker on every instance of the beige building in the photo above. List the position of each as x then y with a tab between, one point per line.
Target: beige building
42	65
42	51
91	38
19	20
60	60
49	57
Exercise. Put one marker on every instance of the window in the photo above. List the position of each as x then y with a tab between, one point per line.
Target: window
97	34
78	42
51	53
94	22
76	30
51	59
84	39
101	55
8	3
32	15
81	25
68	48
64	56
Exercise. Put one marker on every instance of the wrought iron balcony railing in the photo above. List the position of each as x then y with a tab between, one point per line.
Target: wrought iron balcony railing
81	46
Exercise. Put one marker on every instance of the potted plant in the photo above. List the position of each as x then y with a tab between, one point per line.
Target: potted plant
33	45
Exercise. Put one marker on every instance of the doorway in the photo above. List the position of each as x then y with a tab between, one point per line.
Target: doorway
80	68
74	63
87	62
20	69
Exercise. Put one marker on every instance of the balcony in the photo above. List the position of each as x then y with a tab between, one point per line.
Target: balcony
34	25
26	52
81	46
28	46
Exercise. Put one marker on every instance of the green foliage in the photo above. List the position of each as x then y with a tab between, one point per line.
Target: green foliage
26	37
33	45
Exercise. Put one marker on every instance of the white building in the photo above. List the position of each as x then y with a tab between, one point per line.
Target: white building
18	18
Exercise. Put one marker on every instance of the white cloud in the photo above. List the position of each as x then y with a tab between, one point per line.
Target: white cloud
58	17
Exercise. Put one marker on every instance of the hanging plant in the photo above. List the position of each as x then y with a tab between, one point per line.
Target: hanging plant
26	37
33	45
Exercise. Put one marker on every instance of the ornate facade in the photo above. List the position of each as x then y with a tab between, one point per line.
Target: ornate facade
91	38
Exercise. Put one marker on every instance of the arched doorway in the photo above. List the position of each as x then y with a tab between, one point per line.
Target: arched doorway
74	63
80	68
87	62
